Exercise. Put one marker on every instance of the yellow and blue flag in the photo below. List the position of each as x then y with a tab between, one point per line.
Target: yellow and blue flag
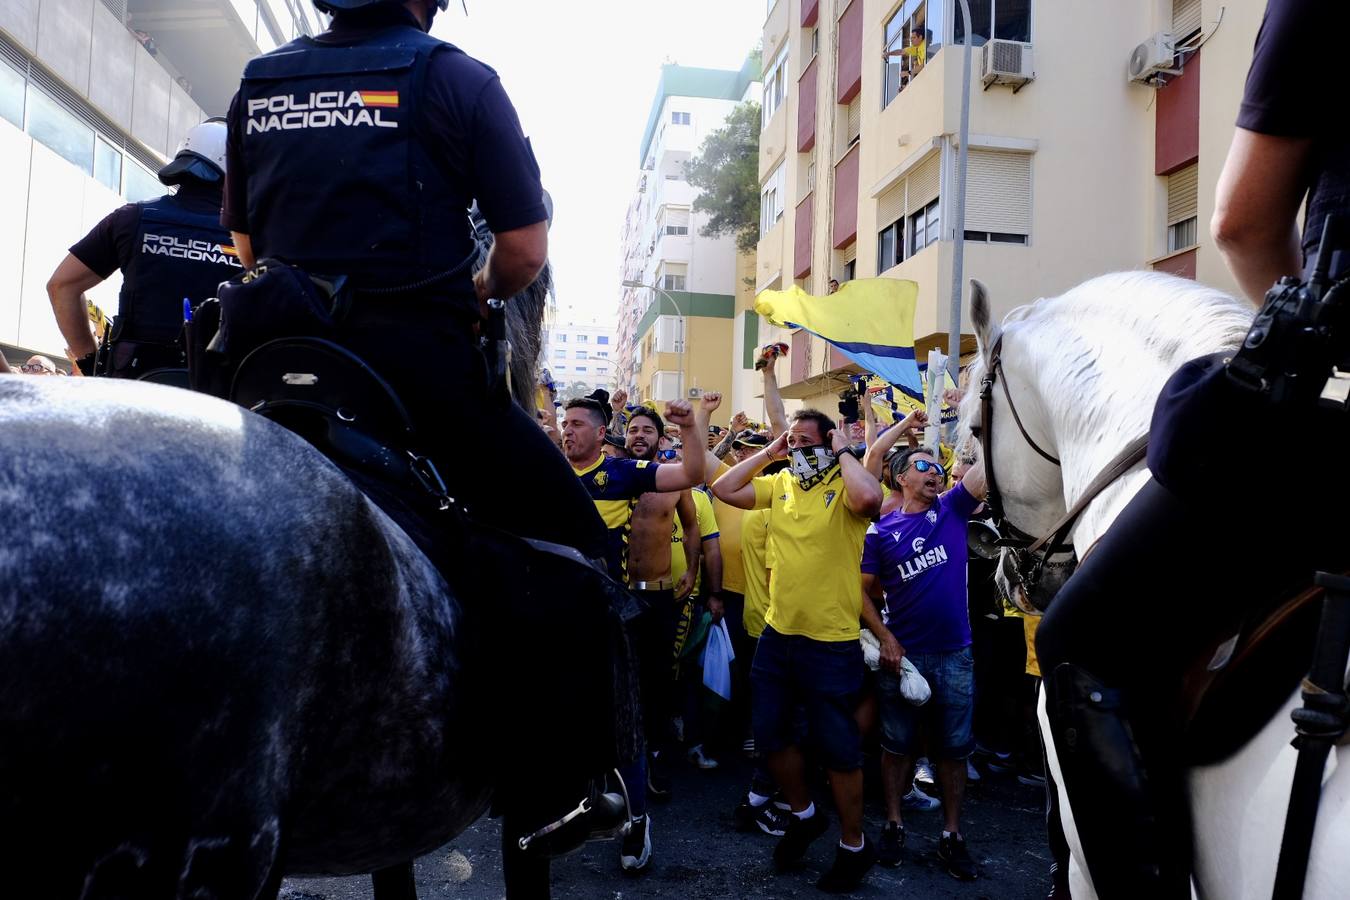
870	319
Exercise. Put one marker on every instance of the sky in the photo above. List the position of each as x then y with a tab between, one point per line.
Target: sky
582	75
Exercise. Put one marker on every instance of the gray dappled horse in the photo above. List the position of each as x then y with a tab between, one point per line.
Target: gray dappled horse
220	663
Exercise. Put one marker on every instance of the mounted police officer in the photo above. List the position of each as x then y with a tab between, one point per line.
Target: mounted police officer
1218	529
169	249
356	154
354	157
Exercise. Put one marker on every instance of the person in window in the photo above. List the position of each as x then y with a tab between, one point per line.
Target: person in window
915	54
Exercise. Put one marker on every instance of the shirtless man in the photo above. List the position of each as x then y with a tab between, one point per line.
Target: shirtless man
653	522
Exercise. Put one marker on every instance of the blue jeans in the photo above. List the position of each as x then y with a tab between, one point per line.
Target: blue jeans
951	709
791	672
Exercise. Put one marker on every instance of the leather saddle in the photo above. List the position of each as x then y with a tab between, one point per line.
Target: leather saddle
335	401
1244	673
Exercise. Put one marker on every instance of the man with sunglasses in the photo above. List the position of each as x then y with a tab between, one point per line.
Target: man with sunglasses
40	365
914	559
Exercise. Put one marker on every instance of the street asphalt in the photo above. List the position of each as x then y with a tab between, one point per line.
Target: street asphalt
698	854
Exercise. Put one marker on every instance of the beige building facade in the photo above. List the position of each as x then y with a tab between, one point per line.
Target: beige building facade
1097	133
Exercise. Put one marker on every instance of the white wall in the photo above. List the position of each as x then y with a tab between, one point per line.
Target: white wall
46	205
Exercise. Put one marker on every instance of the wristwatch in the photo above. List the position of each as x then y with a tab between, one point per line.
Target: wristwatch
850	450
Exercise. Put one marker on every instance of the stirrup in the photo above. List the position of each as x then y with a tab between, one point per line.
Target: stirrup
604	807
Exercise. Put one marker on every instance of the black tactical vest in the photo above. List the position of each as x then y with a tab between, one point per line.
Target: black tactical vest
340	180
179	254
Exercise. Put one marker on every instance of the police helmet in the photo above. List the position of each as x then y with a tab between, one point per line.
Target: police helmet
200	156
336	6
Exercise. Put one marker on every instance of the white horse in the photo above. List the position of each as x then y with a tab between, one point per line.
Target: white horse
1084	370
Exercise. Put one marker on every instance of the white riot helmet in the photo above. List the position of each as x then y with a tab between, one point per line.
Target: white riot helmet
200	156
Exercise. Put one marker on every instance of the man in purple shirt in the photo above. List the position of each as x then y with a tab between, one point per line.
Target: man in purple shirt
915	557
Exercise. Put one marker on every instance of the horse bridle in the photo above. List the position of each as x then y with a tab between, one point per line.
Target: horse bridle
1031	554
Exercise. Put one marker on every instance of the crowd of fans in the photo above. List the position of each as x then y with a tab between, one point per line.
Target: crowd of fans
810	603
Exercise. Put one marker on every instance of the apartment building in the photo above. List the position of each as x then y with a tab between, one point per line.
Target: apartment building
677	319
94	97
1094	145
580	355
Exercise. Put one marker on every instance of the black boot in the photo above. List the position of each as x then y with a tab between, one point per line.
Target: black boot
1133	823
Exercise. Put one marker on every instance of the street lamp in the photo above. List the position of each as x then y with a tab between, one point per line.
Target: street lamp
684	335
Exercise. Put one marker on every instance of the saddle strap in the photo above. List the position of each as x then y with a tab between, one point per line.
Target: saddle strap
1321	722
1133	453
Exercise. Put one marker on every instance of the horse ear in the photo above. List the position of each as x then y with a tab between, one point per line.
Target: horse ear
981	316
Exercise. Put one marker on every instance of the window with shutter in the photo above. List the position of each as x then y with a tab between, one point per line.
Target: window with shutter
1185	18
925	183
673	276
677	221
771	201
1183	208
998	193
891	219
854	129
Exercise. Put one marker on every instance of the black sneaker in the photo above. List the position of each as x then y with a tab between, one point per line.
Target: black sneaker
767	818
848	869
956	858
636	851
791	847
890	848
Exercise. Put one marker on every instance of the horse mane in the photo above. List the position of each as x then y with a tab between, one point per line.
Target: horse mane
524	319
1110	343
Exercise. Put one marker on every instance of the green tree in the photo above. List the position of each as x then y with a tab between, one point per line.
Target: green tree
726	171
572	391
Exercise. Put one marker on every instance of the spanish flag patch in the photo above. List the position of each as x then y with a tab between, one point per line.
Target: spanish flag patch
380	98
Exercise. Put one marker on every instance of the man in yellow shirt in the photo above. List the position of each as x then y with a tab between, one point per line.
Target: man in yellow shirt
809	655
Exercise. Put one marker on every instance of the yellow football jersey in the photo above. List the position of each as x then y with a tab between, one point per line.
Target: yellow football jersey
815	545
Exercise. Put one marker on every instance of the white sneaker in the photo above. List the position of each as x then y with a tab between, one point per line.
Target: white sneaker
972	773
923	771
636	850
917	799
697	758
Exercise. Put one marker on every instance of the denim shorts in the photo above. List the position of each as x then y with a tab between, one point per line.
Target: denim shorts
950	712
792	673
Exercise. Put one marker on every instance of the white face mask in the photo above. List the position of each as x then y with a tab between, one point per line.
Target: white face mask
810	464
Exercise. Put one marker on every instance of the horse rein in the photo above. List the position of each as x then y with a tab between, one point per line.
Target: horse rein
986	436
1054	541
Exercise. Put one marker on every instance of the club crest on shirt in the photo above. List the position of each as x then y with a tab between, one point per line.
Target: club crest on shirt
932	516
829	498
601	478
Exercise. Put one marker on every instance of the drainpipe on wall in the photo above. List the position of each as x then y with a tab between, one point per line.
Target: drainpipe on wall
959	216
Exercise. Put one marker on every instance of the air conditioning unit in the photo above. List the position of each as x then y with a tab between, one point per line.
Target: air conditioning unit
1006	62
1152	58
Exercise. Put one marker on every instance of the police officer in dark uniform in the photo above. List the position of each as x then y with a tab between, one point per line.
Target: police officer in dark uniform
169	249
1224	523
357	153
